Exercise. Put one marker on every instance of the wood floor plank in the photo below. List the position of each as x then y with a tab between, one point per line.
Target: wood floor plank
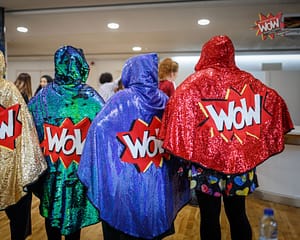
186	224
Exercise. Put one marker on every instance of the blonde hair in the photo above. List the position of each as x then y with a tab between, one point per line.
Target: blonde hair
166	67
23	83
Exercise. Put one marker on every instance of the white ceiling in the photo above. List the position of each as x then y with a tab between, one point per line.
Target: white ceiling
168	27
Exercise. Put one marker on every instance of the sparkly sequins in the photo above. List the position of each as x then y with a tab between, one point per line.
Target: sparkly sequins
21	159
62	112
222	117
140	201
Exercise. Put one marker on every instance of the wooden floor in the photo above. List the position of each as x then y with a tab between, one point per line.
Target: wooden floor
186	224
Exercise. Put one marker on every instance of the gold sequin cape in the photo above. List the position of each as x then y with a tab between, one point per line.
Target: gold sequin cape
24	163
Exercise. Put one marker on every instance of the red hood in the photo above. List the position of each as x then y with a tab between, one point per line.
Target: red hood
217	52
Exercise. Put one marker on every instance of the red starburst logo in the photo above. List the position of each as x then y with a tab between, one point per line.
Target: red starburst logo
268	25
238	115
10	126
65	142
142	146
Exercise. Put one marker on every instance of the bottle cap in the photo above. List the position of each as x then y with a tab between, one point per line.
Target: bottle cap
268	212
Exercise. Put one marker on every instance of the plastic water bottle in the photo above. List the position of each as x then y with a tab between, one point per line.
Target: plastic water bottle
268	226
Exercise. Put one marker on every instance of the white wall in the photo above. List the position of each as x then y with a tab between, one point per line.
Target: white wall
35	68
38	68
100	66
287	83
280	174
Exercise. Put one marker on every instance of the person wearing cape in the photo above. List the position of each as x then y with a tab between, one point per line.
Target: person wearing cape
225	122
63	111
21	159
135	185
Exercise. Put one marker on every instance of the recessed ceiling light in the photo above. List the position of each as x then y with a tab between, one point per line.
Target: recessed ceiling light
113	25
136	48
22	29
203	22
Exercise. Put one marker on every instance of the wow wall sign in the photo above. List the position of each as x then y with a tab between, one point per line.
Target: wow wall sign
269	26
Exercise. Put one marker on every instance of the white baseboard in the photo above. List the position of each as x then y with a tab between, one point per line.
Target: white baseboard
278	198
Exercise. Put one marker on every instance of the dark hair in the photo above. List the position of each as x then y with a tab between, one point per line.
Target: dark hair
49	78
105	77
120	86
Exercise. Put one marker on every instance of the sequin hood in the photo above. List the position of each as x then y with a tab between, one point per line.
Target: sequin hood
217	52
71	67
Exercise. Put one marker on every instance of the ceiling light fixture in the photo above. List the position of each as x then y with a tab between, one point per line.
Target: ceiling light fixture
203	22
113	25
136	48
22	29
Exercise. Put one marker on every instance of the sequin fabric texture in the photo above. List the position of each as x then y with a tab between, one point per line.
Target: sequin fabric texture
21	159
222	117
63	111
136	191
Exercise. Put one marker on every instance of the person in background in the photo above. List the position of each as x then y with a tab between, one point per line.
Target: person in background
167	73
224	122
62	114
45	79
107	85
119	86
129	178
23	83
21	159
